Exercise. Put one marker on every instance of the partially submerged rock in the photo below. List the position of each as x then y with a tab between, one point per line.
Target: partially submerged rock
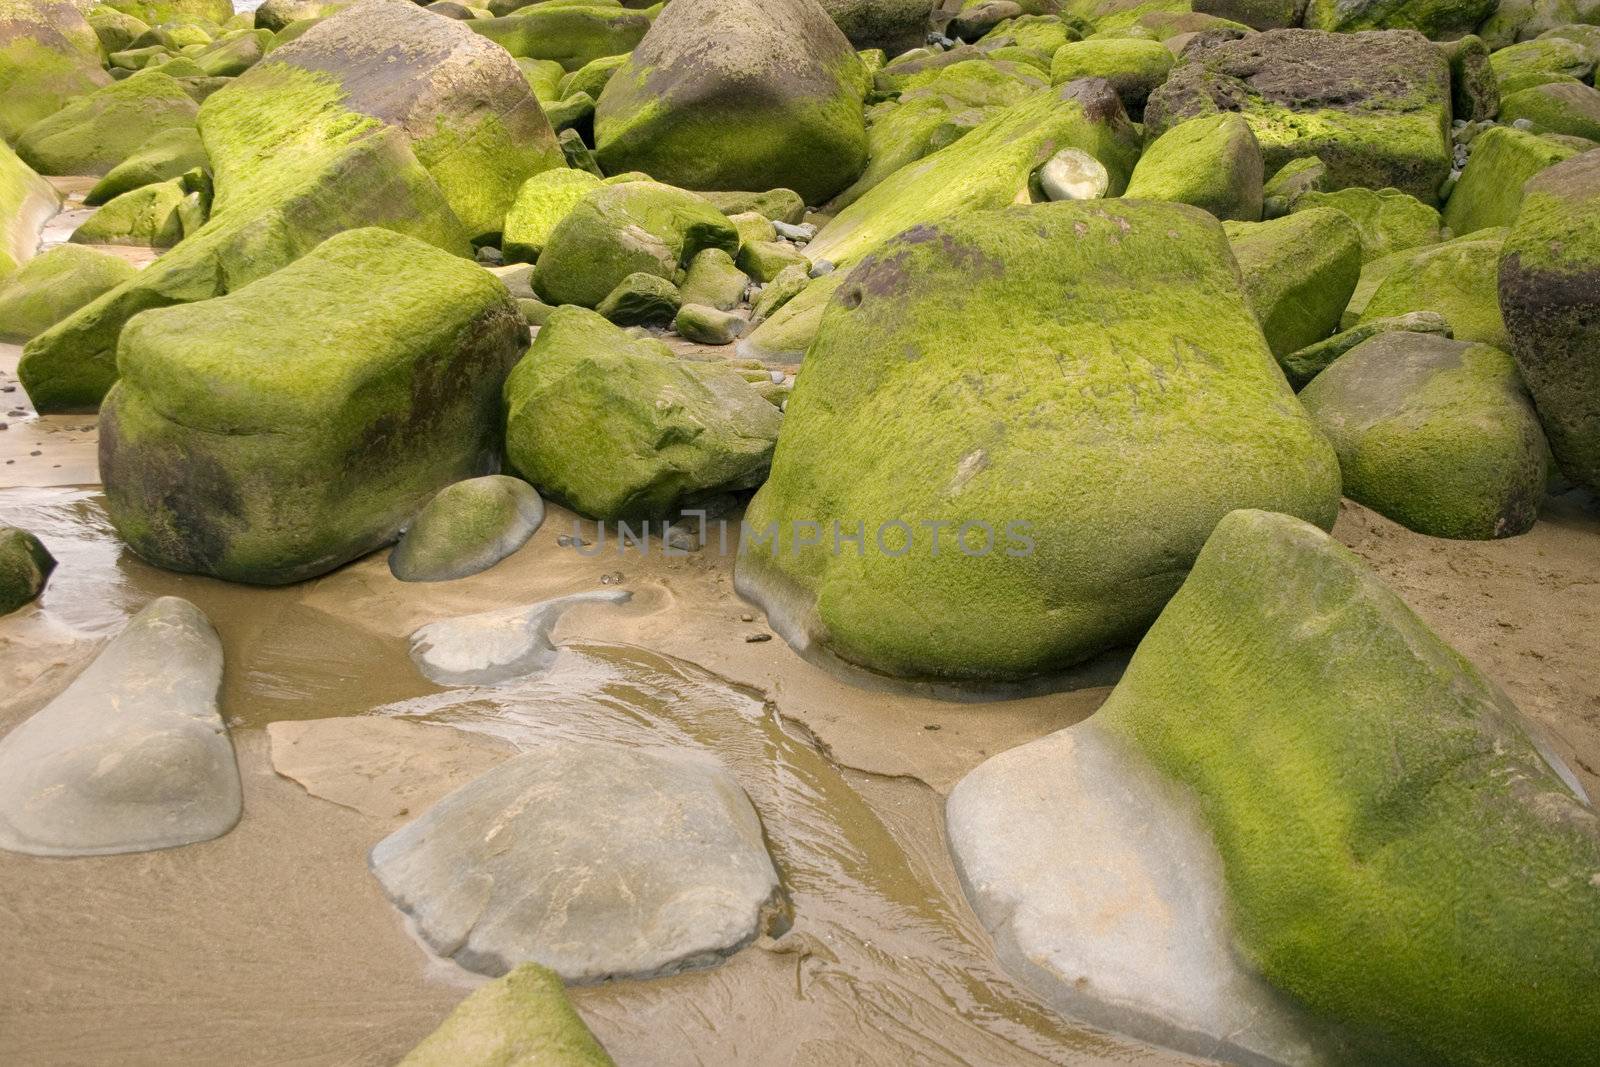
522	1019
670	873
493	647
261	447
25	565
52	286
133	755
467	528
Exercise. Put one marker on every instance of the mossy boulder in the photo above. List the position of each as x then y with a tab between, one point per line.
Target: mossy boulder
157	12
573	35
893	25
1457	279
96	132
988	168
522	1019
784	335
27	202
170	154
1399	853
1373	106
1299	272
1213	163
738	94
1064	399
151	216
116	30
55	284
25	565
1435	18
1474	91
1490	190
1388	220
616	427
229	57
709	326
1303	365
542	202
278	15
1549	59
714	280
1549	288
1293	180
255	446
617	230
467	528
641	300
1256	14
778	291
591	78
1133	67
1438	435
1560	107
780	205
49	55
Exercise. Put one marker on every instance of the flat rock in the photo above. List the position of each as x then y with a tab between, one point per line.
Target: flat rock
497	646
133	755
597	861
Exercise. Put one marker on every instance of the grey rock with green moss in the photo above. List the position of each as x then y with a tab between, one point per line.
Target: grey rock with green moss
150	216
522	1019
1490	190
617	230
784	336
738	94
708	325
1273	752
784	287
1548	59
1256	14
467	528
1373	106
224	454
1560	107
573	35
169	154
1438	435
1212	162
1305	364
1434	18
765	260
27	202
714	280
25	566
116	30
1457	279
133	755
96	132
277	15
1074	466
1133	67
49	55
591	78
1474	91
670	873
1299	272
893	25
1388	220
160	12
782	205
641	299
1549	289
616	427
55	284
1293	180
541	203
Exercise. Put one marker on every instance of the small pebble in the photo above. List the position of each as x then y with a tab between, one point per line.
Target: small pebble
747	617
821	267
491	255
615	578
931	726
757	638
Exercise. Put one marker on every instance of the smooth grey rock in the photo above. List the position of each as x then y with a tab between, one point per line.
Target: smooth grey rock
467	528
597	861
132	755
497	646
1103	892
1072	174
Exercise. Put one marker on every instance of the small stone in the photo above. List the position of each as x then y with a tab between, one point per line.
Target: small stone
1073	174
747	617
795	232
755	639
821	267
641	299
1522	124
490	255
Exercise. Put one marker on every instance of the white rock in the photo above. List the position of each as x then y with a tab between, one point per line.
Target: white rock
496	646
1072	174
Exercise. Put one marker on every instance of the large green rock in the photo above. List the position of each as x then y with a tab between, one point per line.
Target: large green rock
616	427
272	434
156	12
1399	855
27	202
48	56
1549	286
1435	18
229	57
1299	272
1457	279
573	35
988	168
25	565
95	133
292	164
1438	435
1559	107
1373	106
1489	192
617	230
1134	67
115	29
522	1019
1549	59
1071	394
542	202
49	288
471	118
893	25
1212	162
738	94
1388	220
170	154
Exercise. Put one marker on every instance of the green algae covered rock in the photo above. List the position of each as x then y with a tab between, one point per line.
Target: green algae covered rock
1133	67
988	168
893	25
95	133
1549	286
1400	855
1292	181
1373	106
1530	63
641	300
617	230
151	216
1434	18
1474	91
1560	107
713	279
784	335
229	57
1438	435
1457	279
278	15
49	55
778	291
708	326
1490	190
27	202
591	78
541	203
1388	220
573	35
257	446
1213	163
466	529
738	94
1299	272
157	12
616	427
115	29
25	565
54	285
169	154
1065	398
780	205
1305	364
522	1019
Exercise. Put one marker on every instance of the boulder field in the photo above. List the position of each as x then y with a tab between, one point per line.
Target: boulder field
1008	344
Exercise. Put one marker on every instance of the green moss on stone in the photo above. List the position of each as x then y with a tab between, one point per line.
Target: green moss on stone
1388	220
1133	67
95	133
169	154
1213	163
26	202
53	285
1299	272
1560	107
1457	279
542	202
572	35
714	280
1490	190
25	565
520	1020
49	55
